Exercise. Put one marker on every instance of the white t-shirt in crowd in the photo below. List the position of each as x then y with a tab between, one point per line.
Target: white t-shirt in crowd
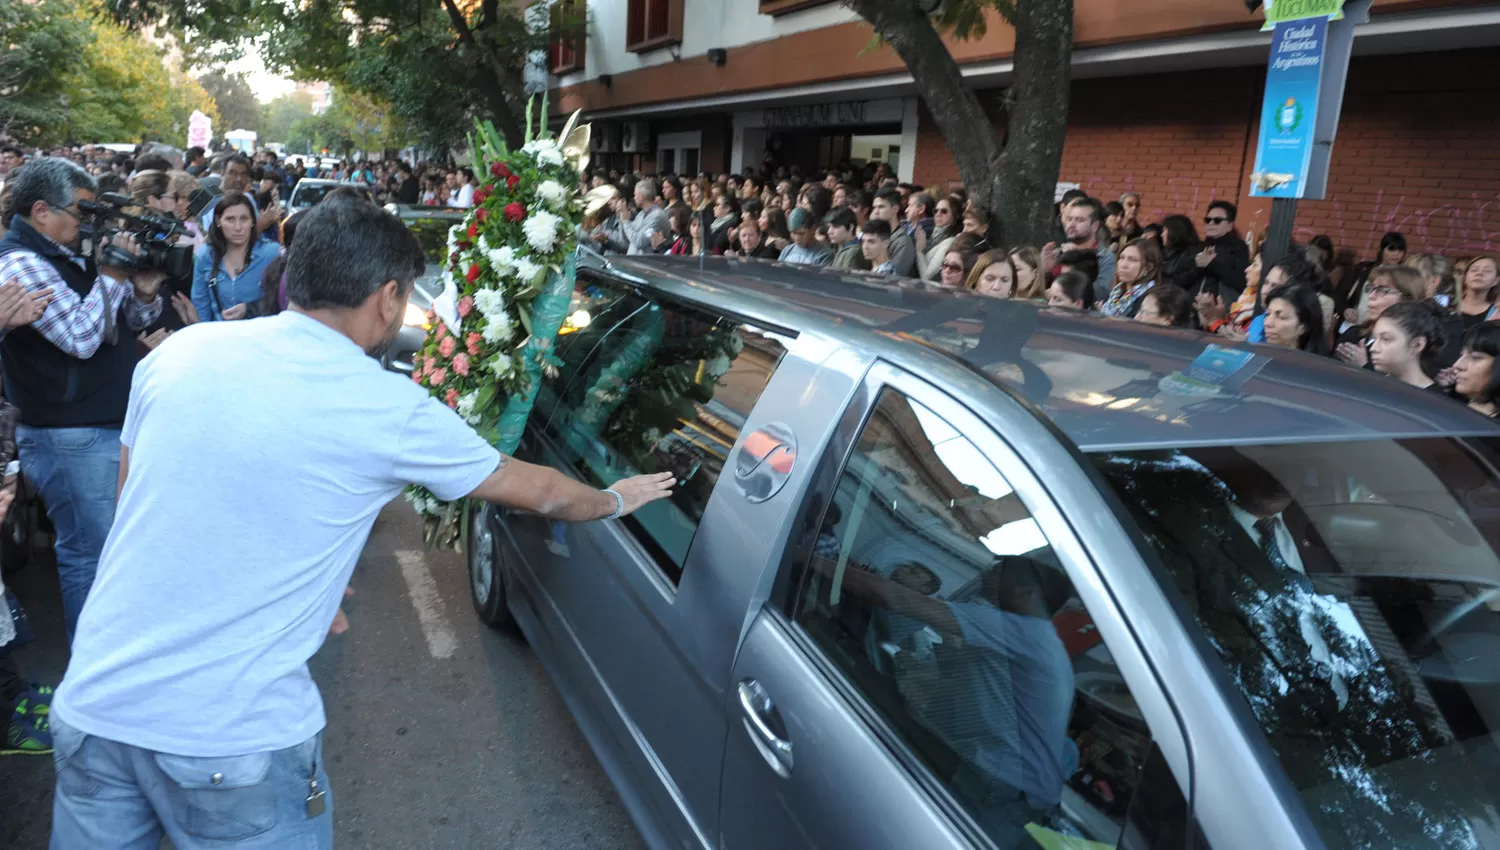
465	196
261	453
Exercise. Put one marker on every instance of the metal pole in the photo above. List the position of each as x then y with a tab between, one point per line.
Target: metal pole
1278	233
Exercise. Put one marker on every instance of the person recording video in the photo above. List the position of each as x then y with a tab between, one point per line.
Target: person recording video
68	366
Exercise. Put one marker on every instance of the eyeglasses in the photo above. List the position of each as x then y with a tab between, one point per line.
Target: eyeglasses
1384	290
76	216
1214	219
952	267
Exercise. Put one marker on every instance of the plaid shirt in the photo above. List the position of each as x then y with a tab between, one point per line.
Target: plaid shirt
77	325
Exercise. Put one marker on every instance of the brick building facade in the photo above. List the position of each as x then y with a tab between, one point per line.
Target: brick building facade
1166	110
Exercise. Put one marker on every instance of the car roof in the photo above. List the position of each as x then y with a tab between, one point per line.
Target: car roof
1107	384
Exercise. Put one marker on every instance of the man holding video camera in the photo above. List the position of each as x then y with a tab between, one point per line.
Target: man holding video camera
69	371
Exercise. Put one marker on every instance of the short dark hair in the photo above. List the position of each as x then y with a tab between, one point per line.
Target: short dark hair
879	228
1391	240
1096	209
1485	339
858	199
752	207
152	162
1420	319
1072	195
819	199
841	217
1229	208
239	159
1179	231
1173	302
346	249
12	149
890	196
1081	261
51	179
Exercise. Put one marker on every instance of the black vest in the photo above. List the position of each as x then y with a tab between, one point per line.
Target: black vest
53	389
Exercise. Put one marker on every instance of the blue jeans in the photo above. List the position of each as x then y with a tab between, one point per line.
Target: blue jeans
112	796
77	472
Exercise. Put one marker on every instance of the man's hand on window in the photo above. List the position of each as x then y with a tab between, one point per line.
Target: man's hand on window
19	307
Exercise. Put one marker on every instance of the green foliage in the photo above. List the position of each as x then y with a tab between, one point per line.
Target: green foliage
279	116
965	19
42	41
238	106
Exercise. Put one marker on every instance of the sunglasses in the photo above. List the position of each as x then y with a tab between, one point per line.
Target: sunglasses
952	267
1214	219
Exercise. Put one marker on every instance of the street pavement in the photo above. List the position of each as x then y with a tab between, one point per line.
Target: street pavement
442	733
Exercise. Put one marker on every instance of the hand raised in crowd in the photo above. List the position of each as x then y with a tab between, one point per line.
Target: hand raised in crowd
1446	378
185	309
268	218
1352	353
238	311
1210	308
920	238
21	308
1051	256
657	238
155	338
1205	257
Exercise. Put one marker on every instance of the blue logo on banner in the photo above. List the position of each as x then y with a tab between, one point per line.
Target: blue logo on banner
1290	109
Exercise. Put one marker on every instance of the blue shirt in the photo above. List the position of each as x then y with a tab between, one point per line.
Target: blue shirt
231	289
1258	328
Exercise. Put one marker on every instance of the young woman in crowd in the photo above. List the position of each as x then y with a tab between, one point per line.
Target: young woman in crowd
1385	287
671	191
773	228
1071	289
1136	271
1347	296
1130	202
1294	319
1406	343
153	192
932	249
1475	375
1114	225
681	220
227	271
1179	243
993	275
693	195
1477	302
1027	263
726	219
956	267
1166	304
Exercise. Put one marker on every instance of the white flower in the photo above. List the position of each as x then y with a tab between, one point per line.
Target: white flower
552	157
541	230
484	244
453	233
498	328
526	270
466	407
538	145
500	365
501	259
552	193
718	366
490	302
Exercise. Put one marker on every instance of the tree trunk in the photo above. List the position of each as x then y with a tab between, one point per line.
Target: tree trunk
1014	182
491	79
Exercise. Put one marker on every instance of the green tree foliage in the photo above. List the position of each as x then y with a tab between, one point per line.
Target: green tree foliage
237	103
279	116
41	42
355	122
438	64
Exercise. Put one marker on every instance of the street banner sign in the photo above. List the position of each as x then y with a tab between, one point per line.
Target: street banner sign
1286	11
1289	111
200	130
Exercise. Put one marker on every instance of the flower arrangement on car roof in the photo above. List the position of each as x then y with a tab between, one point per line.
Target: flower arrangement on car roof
506	288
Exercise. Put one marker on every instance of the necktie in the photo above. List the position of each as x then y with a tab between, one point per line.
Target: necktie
1265	527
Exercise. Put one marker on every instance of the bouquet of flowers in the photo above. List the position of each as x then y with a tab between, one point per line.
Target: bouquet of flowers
506	288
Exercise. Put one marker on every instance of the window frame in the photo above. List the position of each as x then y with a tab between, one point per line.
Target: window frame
786	7
1164	722
576	43
647	42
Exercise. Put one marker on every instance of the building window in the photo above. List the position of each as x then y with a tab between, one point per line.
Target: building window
781	7
653	23
570	33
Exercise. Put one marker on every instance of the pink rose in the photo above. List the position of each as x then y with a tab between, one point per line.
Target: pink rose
442	330
446	347
465	306
451	398
416	376
472	343
438	376
461	364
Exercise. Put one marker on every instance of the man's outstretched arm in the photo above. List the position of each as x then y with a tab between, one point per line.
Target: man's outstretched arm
545	491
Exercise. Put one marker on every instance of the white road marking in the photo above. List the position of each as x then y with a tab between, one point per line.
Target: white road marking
441	641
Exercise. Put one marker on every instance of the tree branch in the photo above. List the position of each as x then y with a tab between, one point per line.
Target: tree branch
490	83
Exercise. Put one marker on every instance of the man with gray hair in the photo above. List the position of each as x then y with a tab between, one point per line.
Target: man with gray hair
651	217
69	371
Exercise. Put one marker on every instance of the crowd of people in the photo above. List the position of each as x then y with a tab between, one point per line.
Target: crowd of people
1422	318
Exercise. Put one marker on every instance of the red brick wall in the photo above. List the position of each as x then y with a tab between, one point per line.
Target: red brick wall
1418	149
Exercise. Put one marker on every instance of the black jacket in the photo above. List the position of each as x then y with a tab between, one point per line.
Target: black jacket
1181	268
1231	258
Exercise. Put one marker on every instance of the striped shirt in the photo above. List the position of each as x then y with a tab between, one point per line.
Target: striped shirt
77	324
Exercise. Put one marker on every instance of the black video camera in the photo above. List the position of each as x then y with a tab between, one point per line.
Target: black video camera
154	232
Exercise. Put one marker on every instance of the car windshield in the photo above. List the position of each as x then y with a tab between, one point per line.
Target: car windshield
1352	592
433	234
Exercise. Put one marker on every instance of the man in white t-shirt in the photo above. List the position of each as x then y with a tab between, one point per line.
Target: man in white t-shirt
256	456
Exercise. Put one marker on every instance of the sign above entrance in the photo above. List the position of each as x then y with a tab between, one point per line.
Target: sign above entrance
1285	11
843	113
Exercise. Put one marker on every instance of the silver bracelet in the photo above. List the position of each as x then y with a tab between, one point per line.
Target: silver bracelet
619	503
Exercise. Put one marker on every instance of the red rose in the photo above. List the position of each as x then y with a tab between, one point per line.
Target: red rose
497	170
481	215
514	211
482	195
511	181
464	244
473	273
473	230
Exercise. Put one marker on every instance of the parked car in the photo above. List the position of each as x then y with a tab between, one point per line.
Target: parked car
310	190
430	225
945	571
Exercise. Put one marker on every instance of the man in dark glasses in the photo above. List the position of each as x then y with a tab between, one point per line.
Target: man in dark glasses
1225	256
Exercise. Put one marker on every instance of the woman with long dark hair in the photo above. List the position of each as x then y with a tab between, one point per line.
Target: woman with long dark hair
1294	319
1179	243
227	271
1407	342
1476	377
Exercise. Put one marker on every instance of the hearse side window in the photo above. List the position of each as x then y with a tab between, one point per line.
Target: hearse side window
935	592
650	385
